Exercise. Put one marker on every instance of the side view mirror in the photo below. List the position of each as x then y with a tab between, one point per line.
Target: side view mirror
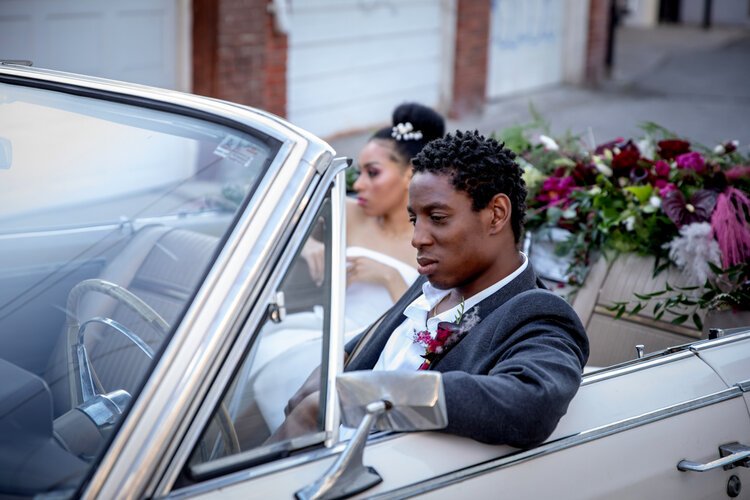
386	400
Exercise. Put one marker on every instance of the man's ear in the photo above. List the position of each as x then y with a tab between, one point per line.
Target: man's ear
501	209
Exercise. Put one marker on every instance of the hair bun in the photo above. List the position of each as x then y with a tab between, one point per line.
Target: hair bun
415	122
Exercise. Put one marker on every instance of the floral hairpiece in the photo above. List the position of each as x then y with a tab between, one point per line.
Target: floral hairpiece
406	132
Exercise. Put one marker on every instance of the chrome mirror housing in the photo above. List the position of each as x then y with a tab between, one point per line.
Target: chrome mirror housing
416	399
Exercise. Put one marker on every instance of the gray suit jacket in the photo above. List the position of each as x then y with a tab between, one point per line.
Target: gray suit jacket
510	379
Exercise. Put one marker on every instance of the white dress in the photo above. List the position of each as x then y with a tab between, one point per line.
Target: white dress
366	302
289	351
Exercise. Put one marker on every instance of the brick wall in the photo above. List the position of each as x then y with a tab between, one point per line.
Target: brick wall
237	54
596	47
471	58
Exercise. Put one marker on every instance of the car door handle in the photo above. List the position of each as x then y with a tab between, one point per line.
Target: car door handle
733	455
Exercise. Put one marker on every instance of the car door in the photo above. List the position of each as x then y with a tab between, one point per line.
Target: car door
623	437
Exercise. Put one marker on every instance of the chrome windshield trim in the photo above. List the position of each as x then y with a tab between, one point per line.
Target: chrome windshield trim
636	365
564	443
185	368
304	214
188	366
262	121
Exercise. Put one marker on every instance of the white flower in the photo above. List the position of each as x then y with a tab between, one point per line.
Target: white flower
595	191
601	166
655	201
531	175
647	148
693	250
629	223
548	143
719	149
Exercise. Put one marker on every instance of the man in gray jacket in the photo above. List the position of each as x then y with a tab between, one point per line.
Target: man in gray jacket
511	353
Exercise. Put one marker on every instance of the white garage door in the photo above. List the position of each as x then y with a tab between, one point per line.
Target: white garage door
526	43
139	41
352	61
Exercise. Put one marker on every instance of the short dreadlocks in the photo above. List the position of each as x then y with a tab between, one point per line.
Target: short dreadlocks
479	166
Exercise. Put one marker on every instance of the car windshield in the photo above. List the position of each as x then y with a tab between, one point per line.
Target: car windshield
110	216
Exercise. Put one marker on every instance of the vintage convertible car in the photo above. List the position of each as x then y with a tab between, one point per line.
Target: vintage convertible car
156	315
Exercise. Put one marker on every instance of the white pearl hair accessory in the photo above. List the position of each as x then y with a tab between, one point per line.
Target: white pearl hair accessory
406	132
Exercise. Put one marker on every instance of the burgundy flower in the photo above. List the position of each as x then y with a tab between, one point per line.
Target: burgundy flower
626	159
661	169
693	161
697	209
671	148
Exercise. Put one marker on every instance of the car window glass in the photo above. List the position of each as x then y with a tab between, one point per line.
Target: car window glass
111	214
249	422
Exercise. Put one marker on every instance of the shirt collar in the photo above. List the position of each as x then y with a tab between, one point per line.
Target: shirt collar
418	310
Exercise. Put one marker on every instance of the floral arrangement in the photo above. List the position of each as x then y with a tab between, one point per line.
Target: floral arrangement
447	335
660	195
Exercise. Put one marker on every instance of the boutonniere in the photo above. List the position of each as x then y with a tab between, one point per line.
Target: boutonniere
448	334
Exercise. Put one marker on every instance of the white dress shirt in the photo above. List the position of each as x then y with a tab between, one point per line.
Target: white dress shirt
401	352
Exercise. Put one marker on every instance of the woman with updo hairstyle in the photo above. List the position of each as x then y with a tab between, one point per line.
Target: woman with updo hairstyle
381	263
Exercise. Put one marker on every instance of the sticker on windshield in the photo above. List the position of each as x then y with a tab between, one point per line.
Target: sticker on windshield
237	150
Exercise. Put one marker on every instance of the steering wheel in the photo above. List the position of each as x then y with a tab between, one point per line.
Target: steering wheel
75	331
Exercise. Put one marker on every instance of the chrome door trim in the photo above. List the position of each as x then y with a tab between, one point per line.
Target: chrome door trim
635	365
304	214
564	443
233	478
728	338
667	356
335	347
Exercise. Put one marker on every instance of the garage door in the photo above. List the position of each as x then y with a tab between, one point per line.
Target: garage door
526	42
139	41
351	62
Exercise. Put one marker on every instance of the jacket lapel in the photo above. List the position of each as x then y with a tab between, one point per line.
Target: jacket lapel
524	281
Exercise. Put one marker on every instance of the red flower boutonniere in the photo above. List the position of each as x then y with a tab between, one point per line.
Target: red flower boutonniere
448	334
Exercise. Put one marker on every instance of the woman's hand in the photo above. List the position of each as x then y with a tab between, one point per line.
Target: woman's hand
314	254
366	270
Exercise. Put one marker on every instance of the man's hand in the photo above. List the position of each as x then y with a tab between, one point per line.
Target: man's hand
301	420
314	254
312	384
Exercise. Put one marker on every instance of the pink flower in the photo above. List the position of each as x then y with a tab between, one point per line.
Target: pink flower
693	161
665	188
556	189
661	168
